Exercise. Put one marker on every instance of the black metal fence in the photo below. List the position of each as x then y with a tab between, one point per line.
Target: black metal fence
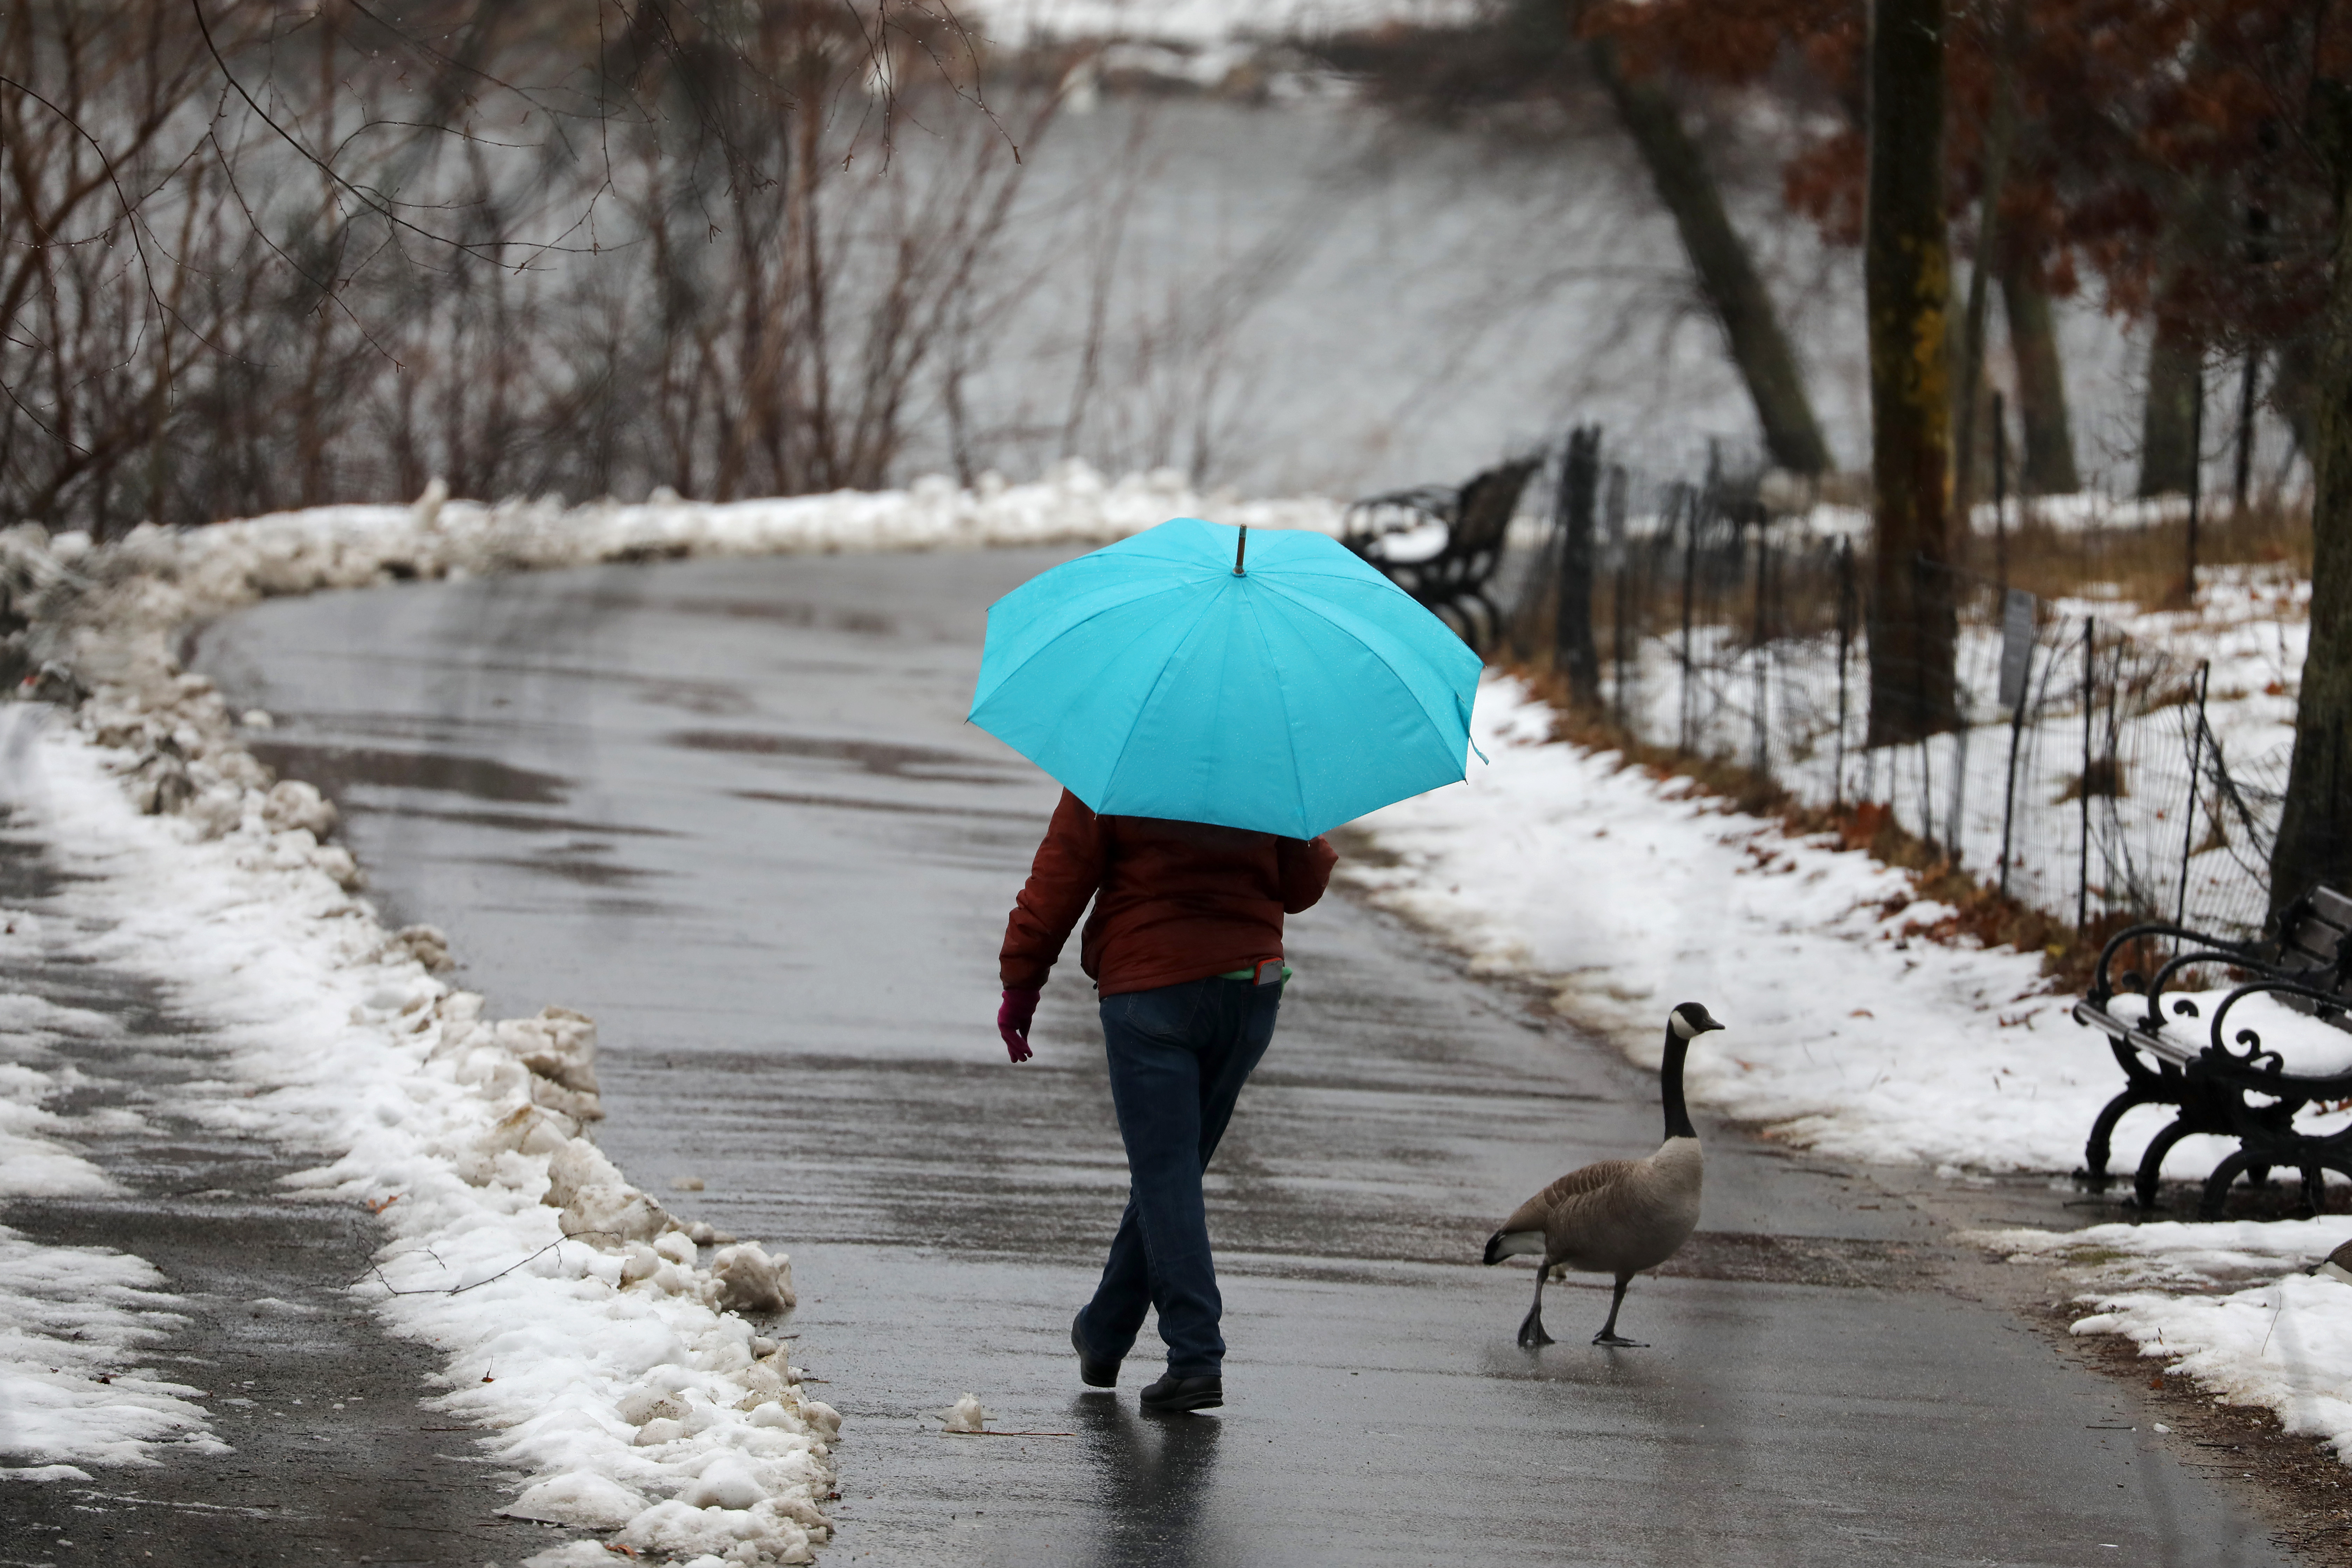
2087	775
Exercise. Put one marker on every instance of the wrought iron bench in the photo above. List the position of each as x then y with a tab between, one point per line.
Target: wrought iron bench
2224	1082
1477	518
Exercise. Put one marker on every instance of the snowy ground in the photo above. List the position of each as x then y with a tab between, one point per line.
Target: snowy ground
1851	1030
73	1320
1626	894
2228	1304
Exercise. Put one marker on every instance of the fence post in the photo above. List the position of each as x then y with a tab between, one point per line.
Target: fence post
1844	643
1690	574
2248	380
2196	765
2001	497
2023	695
1572	651
1760	765
2196	481
1621	638
1952	822
2083	786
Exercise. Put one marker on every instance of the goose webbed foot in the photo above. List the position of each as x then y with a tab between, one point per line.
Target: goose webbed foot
1609	1335
1531	1330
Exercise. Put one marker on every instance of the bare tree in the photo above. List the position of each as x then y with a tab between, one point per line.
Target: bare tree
264	258
2314	839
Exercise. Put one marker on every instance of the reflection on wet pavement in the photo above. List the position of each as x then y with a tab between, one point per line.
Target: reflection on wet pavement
520	822
337	768
803	1023
873	756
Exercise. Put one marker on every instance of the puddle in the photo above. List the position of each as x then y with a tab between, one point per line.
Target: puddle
577	867
1802	1260
912	808
336	769
856	623
882	757
526	821
708	698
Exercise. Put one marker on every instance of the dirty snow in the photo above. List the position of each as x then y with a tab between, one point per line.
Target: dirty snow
966	1415
2229	1304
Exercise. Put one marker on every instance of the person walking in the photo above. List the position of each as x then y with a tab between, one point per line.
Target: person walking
1211	704
1185	948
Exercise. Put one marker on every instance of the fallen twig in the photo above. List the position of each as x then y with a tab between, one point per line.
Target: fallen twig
377	1269
958	1432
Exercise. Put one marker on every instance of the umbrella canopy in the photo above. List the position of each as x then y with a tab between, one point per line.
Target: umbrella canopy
1153	679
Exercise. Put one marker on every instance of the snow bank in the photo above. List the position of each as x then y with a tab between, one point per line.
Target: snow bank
1848	1031
580	1325
2185	1293
232	564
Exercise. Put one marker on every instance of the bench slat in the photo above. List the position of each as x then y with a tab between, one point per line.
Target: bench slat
2333	907
2162	1046
2316	940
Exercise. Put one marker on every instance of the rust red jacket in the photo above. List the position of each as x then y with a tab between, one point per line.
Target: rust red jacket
1173	901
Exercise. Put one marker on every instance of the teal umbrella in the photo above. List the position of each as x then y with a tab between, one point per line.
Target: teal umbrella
1198	672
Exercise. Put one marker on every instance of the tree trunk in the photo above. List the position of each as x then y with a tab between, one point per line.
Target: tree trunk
1573	653
1751	326
2315	840
2293	388
1970	394
2040	389
1905	269
2167	439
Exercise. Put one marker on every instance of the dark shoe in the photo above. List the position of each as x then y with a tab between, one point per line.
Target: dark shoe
1172	1395
1092	1372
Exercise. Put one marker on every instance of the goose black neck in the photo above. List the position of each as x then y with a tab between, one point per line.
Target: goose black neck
1670	1087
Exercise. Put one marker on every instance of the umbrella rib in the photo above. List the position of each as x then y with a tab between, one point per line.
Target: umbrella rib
1063	631
1386	663
1289	734
1208	604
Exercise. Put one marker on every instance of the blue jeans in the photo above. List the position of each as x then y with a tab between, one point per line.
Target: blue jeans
1179	1056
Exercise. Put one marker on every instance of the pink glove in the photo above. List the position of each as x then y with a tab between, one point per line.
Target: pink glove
1012	1015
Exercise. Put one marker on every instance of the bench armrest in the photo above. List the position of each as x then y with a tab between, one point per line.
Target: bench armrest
2328	1006
2219	949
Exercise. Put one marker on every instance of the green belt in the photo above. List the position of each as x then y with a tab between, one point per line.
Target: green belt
1251	973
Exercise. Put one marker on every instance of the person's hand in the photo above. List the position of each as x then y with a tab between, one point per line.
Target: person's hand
1012	1016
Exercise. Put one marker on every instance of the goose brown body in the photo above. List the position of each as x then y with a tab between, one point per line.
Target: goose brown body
1619	1217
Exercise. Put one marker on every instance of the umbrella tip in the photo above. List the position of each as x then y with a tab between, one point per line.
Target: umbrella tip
1241	545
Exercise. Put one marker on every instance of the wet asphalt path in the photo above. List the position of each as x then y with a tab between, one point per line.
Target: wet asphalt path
730	808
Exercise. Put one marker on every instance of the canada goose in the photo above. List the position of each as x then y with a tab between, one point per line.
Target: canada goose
2337	1265
1616	1216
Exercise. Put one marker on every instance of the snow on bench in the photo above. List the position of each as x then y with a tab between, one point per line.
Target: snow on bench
2266	1061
